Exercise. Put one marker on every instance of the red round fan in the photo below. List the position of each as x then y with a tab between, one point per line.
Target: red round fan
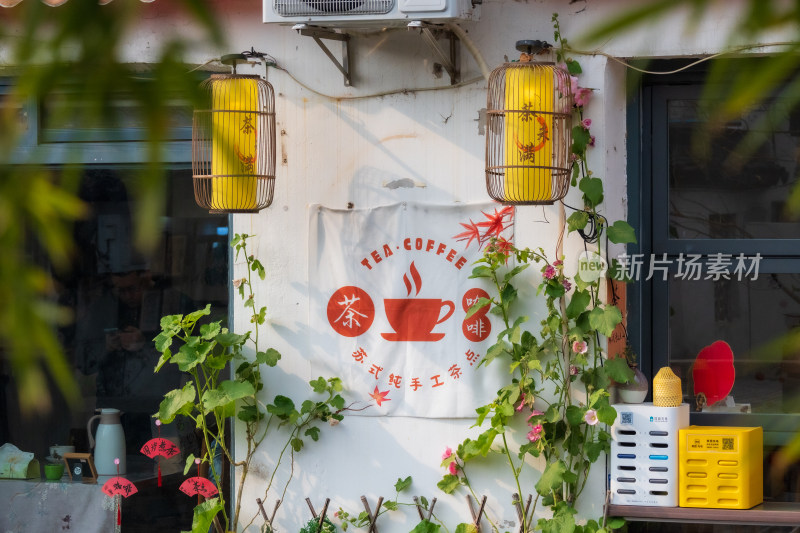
713	373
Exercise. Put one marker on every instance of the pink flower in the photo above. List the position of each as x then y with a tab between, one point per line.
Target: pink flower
591	140
590	417
573	157
336	514
573	370
582	95
558	263
447	453
567	285
535	433
521	403
573	84
549	272
453	468
535	412
586	123
580	347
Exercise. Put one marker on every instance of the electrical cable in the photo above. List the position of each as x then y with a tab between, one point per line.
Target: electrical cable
690	65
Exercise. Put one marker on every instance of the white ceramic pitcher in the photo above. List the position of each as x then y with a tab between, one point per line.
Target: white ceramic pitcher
109	443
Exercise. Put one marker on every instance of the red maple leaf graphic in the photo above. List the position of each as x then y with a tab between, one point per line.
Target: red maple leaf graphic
473	232
379	396
496	222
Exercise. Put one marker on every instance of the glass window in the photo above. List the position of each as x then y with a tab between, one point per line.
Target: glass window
706	201
117	296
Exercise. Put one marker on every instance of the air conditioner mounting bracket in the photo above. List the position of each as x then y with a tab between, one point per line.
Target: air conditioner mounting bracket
450	61
318	34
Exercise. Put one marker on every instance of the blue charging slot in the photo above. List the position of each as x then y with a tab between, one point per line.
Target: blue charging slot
659	457
629	456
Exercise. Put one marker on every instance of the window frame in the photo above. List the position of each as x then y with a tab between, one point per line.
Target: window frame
648	179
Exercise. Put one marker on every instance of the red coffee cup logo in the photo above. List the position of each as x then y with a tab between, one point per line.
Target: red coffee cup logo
413	319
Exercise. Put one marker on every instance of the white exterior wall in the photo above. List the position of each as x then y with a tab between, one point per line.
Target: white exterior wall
334	152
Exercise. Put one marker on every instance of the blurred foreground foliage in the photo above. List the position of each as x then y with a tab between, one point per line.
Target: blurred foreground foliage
73	51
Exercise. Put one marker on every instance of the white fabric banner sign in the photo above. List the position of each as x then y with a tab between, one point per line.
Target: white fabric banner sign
389	292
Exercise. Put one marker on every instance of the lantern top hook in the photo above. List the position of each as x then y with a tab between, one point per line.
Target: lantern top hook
533	47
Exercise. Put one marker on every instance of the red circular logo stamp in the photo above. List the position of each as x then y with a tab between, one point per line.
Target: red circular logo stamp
476	328
472	296
350	311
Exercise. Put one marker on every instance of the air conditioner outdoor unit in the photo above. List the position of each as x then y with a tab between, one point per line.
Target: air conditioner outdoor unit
366	13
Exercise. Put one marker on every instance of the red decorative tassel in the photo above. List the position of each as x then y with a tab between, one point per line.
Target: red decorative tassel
119	515
159	474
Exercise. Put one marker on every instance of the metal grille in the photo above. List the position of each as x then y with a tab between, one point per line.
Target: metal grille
233	145
332	7
529	115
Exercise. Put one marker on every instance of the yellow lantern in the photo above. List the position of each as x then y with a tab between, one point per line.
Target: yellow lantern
233	145
529	117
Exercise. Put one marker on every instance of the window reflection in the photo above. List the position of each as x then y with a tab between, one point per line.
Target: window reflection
117	296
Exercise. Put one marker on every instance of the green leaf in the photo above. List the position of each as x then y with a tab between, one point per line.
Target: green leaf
189	464
577	220
592	190
606	414
573	67
577	305
615	522
466	528
209	331
580	139
297	444
163	341
604	320
337	402
449	483
563	520
227	338
620	232
175	402
319	384
552	414
283	407
269	358
552	477
164	359
223	398
249	414
402	484
574	415
426	526
192	354
390	505
204	514
192	318
481	305
312	432
618	370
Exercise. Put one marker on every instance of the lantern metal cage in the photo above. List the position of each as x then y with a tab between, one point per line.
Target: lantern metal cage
233	145
529	133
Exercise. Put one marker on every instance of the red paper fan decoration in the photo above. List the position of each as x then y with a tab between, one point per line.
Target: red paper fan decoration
159	446
119	486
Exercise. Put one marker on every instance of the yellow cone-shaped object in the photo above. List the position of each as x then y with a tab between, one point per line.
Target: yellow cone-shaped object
667	390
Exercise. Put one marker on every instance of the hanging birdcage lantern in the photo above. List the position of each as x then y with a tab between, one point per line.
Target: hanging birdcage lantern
529	133
233	145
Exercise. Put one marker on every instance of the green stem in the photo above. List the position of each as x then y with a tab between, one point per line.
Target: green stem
511	464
